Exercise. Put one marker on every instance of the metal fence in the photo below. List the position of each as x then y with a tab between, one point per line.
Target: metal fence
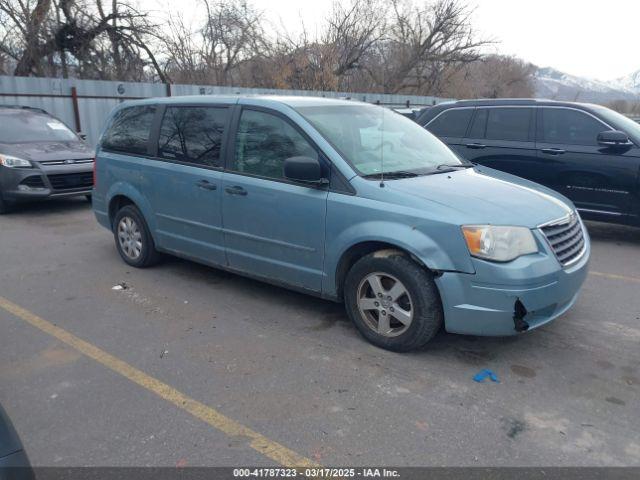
85	104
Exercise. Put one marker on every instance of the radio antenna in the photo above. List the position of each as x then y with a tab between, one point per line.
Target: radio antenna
382	150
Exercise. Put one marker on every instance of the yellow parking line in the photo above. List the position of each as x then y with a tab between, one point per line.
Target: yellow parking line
613	276
269	448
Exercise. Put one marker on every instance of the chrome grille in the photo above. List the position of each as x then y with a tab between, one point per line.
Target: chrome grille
566	238
67	162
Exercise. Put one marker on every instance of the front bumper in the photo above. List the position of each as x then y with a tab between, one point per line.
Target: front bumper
41	182
484	303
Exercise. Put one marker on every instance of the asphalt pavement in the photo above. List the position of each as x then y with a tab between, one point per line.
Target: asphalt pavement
188	365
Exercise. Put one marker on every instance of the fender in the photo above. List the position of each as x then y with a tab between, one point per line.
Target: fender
406	237
127	190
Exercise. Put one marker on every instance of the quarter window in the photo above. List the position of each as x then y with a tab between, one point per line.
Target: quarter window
264	141
451	123
129	130
570	127
192	135
510	124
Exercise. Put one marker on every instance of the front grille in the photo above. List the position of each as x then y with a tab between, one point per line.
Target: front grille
69	181
67	162
35	181
566	238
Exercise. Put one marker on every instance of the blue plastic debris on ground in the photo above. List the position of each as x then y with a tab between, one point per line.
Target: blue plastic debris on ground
481	375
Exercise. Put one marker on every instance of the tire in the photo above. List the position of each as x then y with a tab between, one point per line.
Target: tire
137	247
5	207
88	197
420	299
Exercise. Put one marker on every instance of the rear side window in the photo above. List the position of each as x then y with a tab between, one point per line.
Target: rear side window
570	127
510	124
129	130
451	123
479	126
264	141
192	135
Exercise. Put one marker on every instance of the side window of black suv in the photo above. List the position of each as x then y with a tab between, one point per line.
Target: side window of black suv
507	123
451	123
569	127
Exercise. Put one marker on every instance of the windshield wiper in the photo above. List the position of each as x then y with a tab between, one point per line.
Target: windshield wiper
392	175
448	167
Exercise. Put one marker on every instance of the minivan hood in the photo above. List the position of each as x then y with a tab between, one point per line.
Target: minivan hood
44	151
487	196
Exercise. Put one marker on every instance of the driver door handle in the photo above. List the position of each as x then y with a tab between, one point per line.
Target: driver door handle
476	146
553	151
236	190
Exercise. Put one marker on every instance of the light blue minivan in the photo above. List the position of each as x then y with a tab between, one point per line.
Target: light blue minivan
344	200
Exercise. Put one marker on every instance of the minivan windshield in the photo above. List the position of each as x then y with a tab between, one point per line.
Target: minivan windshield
630	127
22	126
376	140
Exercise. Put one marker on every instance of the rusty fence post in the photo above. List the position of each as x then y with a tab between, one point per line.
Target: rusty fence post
76	110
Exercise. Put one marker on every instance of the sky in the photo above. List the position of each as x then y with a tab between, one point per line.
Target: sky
590	38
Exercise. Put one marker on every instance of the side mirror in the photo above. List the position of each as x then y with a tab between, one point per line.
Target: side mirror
304	169
614	138
83	136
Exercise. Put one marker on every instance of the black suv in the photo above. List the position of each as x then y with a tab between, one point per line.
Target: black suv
588	153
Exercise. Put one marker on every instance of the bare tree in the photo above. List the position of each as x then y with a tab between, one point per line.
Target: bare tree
183	53
493	76
332	59
48	36
423	41
212	53
232	34
352	32
363	45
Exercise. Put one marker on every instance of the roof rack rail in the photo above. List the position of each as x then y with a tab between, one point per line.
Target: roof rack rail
25	107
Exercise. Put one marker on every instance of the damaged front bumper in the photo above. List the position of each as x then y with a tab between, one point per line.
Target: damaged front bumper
506	299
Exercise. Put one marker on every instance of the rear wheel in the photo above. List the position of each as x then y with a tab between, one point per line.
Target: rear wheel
133	239
393	301
88	197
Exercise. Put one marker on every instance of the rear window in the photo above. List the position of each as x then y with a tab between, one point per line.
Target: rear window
22	126
451	123
129	130
192	135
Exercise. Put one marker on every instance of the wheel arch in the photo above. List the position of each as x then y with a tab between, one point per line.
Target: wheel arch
355	252
122	194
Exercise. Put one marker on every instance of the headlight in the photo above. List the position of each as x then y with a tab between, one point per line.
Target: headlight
14	162
500	244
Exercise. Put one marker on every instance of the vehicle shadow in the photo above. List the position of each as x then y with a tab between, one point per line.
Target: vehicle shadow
608	232
328	322
46	207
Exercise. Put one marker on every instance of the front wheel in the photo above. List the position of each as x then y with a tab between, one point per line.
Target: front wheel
393	301
133	239
5	207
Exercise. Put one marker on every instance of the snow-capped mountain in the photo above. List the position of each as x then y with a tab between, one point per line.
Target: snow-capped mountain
556	85
630	82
